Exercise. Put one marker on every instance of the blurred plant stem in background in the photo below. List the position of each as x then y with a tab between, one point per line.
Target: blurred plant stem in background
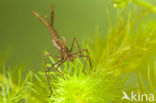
143	3
146	5
125	60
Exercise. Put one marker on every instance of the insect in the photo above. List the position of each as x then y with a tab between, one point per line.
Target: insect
65	53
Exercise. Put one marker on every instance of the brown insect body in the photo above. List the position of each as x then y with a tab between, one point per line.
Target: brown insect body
60	44
65	53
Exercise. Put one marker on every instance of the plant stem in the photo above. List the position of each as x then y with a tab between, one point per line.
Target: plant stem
146	5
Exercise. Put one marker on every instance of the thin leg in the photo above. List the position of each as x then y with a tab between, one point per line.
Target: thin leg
84	50
87	57
47	76
45	15
84	63
42	20
75	40
59	66
44	57
52	15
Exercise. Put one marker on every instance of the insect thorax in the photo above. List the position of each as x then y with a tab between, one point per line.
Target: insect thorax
58	44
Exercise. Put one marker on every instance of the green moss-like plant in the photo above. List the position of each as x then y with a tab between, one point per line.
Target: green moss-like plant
125	60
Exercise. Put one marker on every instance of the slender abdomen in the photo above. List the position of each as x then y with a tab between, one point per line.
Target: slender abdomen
53	33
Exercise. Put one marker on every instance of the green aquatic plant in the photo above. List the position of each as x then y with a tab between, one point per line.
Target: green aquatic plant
120	53
142	3
123	60
76	87
12	88
129	49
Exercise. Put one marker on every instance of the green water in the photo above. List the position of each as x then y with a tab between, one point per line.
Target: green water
27	37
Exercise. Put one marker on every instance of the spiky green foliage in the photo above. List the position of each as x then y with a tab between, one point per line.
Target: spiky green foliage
124	60
122	45
129	48
142	3
74	86
120	53
13	90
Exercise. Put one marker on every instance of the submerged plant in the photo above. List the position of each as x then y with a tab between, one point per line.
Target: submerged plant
120	54
125	60
142	3
76	87
13	90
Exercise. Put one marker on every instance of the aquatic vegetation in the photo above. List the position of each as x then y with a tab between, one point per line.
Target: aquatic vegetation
125	60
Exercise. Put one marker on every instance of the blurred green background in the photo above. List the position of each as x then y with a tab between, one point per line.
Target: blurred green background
26	37
123	60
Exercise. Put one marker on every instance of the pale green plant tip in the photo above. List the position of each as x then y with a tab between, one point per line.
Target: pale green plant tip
80	89
123	3
11	92
119	54
76	87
